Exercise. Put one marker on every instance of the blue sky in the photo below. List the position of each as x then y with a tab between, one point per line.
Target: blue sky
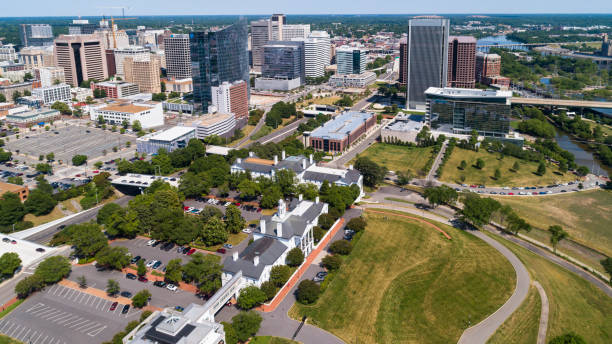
202	7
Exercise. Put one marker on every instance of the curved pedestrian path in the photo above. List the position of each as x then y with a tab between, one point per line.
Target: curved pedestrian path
481	332
543	313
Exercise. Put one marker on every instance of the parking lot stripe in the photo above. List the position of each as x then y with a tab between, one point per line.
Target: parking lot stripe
8	329
40	310
64	291
89	299
45	340
55	312
98	303
66	315
96	332
45	312
60	314
25	335
38	305
20	332
15	329
35	340
78	323
74	321
72	317
81	297
6	323
87	327
67	293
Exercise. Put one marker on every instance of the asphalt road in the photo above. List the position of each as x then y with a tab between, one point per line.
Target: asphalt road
282	133
46	235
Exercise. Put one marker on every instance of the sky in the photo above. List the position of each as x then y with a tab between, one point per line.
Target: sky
28	8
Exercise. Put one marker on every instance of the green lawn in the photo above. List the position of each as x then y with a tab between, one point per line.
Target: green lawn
8	340
404	282
585	215
523	324
525	176
399	158
574	304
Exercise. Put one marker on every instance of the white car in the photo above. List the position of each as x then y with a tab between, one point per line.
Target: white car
506	188
151	263
227	204
171	287
246	230
151	242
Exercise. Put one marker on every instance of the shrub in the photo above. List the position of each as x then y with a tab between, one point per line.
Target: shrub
326	221
28	285
308	292
279	275
53	269
356	224
295	257
269	289
250	297
342	247
331	262
141	298
246	325
568	338
318	233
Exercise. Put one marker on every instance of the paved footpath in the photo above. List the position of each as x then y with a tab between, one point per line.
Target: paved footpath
543	313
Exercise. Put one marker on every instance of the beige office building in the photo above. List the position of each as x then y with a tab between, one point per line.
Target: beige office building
35	57
82	57
143	73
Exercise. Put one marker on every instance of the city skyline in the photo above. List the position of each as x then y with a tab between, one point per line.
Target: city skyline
193	7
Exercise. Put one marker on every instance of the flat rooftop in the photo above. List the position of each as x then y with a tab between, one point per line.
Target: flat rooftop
214	119
342	125
125	107
467	92
169	134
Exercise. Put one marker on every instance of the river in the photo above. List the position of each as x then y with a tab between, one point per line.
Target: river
583	157
493	40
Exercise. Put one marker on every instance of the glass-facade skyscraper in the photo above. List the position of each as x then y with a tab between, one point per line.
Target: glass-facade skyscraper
218	56
284	60
427	61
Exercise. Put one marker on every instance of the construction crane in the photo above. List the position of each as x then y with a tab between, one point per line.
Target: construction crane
113	28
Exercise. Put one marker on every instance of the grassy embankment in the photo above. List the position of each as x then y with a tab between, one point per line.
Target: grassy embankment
399	158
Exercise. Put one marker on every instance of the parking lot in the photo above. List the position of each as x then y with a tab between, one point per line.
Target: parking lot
138	247
61	315
70	141
248	215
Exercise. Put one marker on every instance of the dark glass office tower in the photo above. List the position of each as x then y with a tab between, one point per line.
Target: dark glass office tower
284	60
218	56
427	58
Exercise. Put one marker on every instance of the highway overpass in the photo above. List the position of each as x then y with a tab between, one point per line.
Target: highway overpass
561	102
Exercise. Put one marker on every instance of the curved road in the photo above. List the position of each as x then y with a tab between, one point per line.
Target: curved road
481	332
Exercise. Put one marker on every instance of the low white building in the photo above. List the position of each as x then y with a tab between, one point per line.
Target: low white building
277	84
220	124
52	94
170	139
291	226
149	114
353	80
49	76
80	93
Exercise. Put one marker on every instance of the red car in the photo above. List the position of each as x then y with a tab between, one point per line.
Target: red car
143	279
78	175
185	208
96	171
237	204
192	251
114	306
511	193
221	250
534	193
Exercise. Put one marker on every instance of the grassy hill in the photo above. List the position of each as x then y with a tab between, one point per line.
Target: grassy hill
404	282
399	158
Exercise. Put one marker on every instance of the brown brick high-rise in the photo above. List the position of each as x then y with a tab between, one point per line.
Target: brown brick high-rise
403	71
461	61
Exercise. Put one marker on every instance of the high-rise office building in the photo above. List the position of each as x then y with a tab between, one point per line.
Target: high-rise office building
178	56
36	35
317	54
81	27
427	64
403	61
135	52
143	72
350	60
487	66
232	98
291	31
284	60
262	31
461	61
82	57
218	56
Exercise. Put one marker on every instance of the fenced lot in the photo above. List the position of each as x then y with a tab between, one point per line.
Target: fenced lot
66	142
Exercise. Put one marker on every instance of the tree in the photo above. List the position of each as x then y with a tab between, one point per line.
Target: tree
403	178
28	285
517	223
214	232
440	195
463	165
372	173
357	224
286	180
159	97
203	269
174	271
87	239
11	209
99	93
563	166
308	292
295	257
480	164
477	210
136	126
112	287
141	269
317	233
16	95
516	166
141	298
342	247
79	159
9	262
269	289
541	168
82	280
497	174
245	325
279	275
122	223
113	257
61	107
162	85
331	262
233	219
270	196
326	221
106	211
556	235
53	269
568	338
50	156
250	297
39	202
2	98
248	189
582	170
607	265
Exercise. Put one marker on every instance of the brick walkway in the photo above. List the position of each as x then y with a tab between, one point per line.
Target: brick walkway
280	296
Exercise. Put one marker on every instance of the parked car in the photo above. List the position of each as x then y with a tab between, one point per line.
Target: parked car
157	264
7	240
160	284
228	246
179	308
143	279
221	250
40	249
131	276
151	263
151	242
171	287
126	294
114	306
192	251
246	230
125	309
135	260
186	250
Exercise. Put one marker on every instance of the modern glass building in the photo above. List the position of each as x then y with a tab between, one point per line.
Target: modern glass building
218	56
284	60
427	61
461	110
36	35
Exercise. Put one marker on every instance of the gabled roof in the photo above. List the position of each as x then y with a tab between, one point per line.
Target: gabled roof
268	250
